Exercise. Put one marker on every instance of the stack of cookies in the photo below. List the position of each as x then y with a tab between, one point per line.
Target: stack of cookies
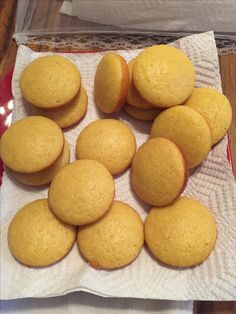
52	87
34	150
188	122
157	85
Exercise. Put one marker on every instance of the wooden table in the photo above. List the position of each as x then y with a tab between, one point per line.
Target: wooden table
8	49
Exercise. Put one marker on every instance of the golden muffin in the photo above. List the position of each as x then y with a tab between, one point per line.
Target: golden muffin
108	141
45	176
68	114
215	108
133	96
142	114
159	172
81	192
37	238
113	241
111	83
188	129
31	144
163	75
50	81
181	234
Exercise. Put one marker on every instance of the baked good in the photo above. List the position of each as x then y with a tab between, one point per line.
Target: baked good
45	176
133	96
181	234
50	81
37	238
81	192
188	129
163	75
111	83
142	114
68	114
159	172
31	144
113	241
109	141
215	108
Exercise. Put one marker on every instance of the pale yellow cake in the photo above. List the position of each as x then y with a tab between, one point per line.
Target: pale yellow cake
215	108
44	176
81	192
111	83
133	96
163	75
113	241
37	238
68	114
31	144
142	114
188	129
181	234
50	81
109	141
159	172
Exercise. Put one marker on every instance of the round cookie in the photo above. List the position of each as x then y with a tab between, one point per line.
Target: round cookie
163	75
142	114
159	172
67	115
111	83
44	176
50	81
113	241
31	144
181	234
215	108
133	96
37	238
108	141
81	192
188	129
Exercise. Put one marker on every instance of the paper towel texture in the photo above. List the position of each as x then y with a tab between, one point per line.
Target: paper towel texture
212	183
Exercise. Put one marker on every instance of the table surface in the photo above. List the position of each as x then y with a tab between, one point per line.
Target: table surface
8	49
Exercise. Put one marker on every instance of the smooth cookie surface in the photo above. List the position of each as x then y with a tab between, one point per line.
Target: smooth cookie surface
113	241
163	75
37	238
44	176
108	141
181	234
50	81
31	144
68	114
159	172
188	129
81	192
215	108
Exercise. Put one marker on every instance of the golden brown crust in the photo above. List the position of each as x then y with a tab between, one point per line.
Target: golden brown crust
111	83
124	84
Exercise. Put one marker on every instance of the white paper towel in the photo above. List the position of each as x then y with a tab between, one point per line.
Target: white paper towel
161	15
212	183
